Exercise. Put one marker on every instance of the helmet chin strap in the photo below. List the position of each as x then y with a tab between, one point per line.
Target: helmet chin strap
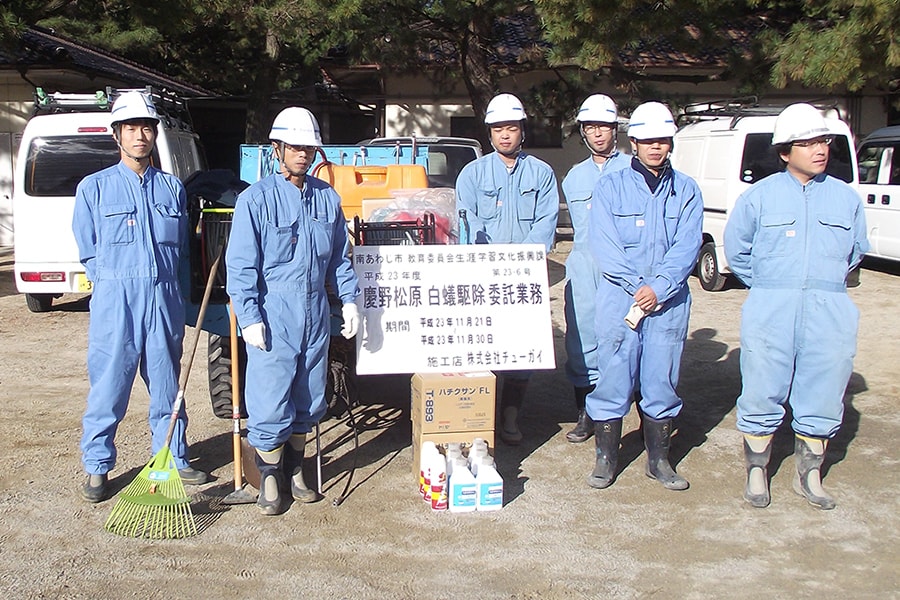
285	172
136	159
615	144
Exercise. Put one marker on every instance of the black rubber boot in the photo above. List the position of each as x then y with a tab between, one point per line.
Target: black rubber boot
293	466
607	435
809	453
270	480
757	451
510	402
584	426
96	488
657	436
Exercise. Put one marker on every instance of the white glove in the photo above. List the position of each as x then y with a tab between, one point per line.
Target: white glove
636	313
255	335
351	320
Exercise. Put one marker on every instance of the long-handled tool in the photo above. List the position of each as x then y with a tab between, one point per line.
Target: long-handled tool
155	504
240	495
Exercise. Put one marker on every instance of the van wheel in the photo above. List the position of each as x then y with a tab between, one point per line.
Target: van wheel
219	367
39	302
708	273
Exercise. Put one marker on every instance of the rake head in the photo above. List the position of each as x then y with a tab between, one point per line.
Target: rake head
154	505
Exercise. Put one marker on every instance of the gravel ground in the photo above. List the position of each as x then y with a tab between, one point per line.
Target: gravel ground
555	537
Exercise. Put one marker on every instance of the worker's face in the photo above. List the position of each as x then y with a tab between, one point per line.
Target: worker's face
506	137
296	160
807	158
137	137
600	137
652	153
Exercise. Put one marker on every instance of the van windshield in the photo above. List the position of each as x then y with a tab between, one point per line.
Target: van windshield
56	164
761	160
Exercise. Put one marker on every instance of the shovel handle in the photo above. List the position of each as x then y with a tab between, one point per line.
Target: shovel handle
235	399
186	369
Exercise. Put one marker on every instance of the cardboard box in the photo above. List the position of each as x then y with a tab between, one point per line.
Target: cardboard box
444	402
463	437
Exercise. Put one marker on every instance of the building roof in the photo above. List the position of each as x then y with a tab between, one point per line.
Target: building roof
44	49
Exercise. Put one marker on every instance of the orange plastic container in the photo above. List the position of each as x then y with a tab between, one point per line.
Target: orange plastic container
356	183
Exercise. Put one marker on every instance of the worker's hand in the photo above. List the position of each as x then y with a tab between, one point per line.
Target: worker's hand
645	298
351	320
255	335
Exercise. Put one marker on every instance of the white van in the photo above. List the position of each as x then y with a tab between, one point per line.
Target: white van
879	189
726	149
69	138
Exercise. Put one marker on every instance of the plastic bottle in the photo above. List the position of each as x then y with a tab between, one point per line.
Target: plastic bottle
479	448
438	470
490	488
425	457
454	453
463	489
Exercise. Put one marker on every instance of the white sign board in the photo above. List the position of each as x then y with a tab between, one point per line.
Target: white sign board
453	308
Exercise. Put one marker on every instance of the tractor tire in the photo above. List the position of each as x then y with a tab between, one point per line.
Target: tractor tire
219	367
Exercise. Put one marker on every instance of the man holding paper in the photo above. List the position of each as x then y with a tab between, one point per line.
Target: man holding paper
645	233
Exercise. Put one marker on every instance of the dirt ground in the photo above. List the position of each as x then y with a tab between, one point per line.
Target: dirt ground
555	537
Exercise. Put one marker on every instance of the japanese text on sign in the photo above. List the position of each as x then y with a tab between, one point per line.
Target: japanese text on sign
433	308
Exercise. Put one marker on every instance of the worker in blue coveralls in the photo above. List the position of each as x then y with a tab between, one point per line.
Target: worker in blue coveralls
598	124
792	238
510	197
130	224
645	233
288	238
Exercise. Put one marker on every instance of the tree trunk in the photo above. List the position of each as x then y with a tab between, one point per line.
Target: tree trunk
480	79
265	81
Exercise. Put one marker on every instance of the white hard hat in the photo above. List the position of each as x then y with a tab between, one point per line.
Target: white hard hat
651	120
133	105
503	108
799	122
597	108
296	126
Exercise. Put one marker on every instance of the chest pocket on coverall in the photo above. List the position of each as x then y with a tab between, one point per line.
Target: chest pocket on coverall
119	221
526	204
835	237
322	234
629	221
776	233
672	212
167	224
280	243
486	204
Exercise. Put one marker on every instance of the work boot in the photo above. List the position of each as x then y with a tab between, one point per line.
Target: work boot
96	488
657	436
607	435
584	426
270	480
510	402
191	476
809	454
293	466
757	451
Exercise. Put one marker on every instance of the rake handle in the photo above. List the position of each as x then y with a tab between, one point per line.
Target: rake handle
186	370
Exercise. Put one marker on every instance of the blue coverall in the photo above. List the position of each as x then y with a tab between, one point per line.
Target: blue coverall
130	232
793	246
639	237
509	207
582	274
285	243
